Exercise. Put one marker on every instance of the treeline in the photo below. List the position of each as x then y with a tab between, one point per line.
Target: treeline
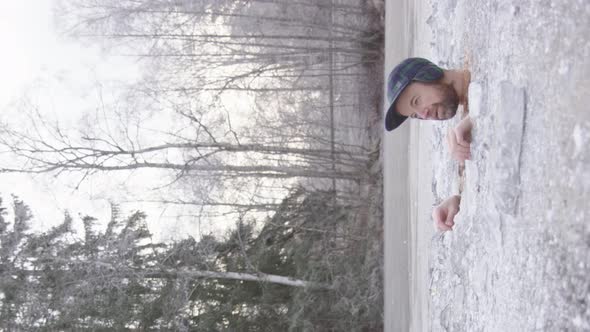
302	270
238	103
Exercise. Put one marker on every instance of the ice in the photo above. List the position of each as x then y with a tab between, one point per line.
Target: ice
579	322
506	153
474	97
563	67
522	240
579	138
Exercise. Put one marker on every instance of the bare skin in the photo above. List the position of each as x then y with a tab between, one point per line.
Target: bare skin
459	140
439	101
426	100
444	214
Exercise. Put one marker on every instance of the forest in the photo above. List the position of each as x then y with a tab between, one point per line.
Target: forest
258	114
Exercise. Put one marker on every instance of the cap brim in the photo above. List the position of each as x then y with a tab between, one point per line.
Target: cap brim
393	119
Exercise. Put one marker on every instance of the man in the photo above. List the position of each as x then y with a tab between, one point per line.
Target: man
419	89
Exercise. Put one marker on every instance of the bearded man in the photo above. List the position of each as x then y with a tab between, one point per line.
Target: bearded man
419	89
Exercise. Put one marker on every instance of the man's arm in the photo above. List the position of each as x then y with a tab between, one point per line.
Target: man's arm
444	214
459	140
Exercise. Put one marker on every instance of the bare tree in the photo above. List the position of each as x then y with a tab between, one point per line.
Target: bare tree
248	90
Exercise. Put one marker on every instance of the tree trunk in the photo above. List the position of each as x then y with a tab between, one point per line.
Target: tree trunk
260	277
189	274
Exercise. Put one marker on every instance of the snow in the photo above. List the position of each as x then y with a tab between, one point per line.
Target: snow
518	258
474	97
580	138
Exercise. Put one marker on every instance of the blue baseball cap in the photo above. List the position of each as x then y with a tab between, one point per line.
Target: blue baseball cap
411	69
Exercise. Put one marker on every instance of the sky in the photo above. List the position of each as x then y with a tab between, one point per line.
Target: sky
25	35
61	76
34	58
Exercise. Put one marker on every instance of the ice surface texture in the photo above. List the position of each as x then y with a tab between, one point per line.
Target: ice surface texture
518	258
506	153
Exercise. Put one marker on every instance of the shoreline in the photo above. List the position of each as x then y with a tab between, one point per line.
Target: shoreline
396	310
407	179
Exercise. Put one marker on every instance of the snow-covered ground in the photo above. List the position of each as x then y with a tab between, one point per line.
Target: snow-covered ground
519	257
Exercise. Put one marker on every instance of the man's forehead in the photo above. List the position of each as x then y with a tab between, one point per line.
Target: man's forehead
416	88
411	89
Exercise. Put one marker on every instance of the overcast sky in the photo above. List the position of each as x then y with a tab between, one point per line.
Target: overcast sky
59	75
34	59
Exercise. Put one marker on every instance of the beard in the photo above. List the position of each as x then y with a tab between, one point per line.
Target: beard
447	108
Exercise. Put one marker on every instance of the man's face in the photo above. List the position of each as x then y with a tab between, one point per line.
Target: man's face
428	101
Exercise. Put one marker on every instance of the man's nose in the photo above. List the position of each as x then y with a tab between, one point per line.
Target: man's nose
423	113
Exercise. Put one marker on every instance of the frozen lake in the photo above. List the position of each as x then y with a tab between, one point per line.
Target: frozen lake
518	257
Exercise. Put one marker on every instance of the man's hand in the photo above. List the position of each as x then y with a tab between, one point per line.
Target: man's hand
459	140
444	213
